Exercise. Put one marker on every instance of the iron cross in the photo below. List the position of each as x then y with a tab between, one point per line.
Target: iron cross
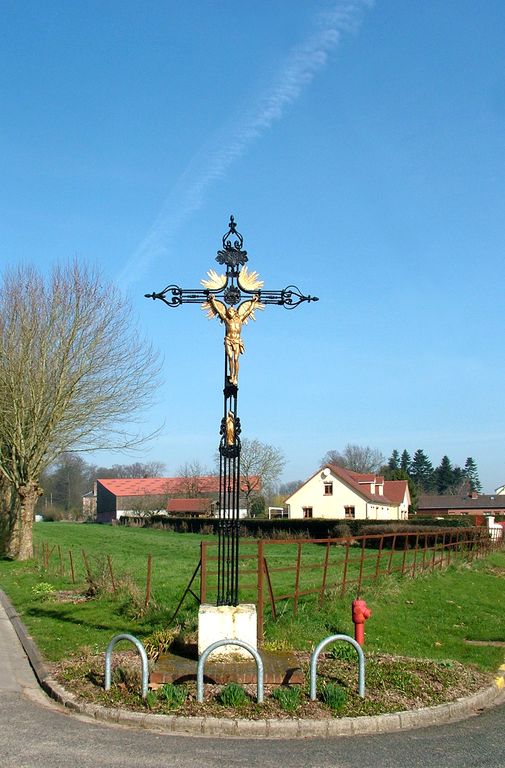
233	297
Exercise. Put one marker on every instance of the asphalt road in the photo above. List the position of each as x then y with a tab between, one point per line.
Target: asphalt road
35	734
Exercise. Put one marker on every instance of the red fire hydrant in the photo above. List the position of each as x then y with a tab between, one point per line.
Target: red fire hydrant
360	613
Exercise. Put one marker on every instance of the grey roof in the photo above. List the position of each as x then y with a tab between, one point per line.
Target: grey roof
483	501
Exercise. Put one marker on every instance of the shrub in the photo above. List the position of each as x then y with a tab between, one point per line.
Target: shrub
233	695
289	698
333	696
172	695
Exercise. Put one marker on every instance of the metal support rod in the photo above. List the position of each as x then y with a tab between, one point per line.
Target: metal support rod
143	656
219	644
361	663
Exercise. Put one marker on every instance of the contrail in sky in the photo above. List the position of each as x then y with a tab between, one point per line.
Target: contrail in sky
211	163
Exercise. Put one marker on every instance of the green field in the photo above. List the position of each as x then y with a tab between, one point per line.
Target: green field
430	616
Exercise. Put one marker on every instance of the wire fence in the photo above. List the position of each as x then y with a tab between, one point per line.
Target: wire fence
283	572
94	572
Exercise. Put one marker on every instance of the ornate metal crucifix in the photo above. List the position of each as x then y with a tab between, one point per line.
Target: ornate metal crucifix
233	296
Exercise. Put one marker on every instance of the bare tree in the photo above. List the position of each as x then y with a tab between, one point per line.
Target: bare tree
260	467
73	374
359	458
286	489
191	474
137	469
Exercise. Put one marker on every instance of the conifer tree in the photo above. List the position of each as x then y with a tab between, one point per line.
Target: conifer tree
394	460
472	475
444	476
405	461
421	471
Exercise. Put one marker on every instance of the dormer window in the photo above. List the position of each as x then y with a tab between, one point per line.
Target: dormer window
328	488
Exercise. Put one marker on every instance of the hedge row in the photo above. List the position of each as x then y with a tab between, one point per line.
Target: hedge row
310	529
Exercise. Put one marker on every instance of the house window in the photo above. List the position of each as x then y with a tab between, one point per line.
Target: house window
307	512
328	489
350	513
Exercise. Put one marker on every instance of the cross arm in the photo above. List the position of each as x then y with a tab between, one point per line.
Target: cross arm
173	296
289	297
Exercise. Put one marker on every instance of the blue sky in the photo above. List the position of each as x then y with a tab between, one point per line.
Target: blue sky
361	148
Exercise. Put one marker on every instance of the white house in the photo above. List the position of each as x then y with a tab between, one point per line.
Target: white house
335	493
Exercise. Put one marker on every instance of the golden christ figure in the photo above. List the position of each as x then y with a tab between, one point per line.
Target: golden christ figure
233	319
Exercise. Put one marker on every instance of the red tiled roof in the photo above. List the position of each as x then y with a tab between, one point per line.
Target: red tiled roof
395	490
157	486
359	482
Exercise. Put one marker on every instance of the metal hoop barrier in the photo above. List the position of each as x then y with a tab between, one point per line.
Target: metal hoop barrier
361	663
143	656
218	644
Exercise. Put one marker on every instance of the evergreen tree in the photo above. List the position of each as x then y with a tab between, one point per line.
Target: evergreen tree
460	483
444	476
472	475
421	471
405	461
394	460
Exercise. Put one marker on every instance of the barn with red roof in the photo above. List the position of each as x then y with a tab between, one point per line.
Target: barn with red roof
140	496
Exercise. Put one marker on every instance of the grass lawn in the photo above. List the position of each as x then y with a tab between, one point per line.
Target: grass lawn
428	617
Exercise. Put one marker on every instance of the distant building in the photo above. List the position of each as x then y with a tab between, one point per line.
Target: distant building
130	497
500	491
474	504
335	493
89	505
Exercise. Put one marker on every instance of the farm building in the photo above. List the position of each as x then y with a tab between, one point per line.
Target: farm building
130	497
474	504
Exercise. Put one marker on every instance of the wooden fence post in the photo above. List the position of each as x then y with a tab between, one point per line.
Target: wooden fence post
148	580
203	572
86	566
71	565
297	579
260	617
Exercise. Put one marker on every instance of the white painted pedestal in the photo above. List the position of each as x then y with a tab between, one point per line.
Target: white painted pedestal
227	622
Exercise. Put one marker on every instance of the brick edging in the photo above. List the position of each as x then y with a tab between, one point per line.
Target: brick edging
265	728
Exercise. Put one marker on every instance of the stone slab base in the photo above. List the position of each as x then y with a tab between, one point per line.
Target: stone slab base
279	669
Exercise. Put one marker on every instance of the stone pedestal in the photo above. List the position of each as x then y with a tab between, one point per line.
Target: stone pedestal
227	622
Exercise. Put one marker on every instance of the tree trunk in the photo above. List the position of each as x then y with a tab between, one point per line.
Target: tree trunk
17	521
9	511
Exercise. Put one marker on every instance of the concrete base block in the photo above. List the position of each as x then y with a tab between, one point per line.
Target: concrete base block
227	622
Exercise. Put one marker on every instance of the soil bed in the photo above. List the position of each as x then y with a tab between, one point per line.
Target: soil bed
393	684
